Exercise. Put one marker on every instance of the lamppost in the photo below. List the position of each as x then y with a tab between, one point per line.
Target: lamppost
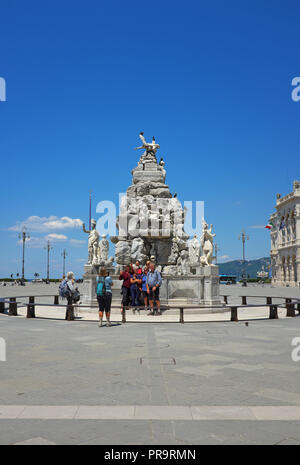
217	249
23	236
48	248
244	238
64	255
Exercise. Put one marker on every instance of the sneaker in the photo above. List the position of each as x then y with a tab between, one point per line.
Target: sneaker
108	323
100	323
150	313
159	312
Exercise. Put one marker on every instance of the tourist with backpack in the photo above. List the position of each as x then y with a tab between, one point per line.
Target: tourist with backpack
67	289
69	292
104	295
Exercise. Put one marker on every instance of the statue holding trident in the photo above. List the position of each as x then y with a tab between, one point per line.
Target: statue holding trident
93	243
207	244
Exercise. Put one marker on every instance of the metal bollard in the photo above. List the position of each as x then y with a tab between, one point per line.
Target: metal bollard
30	311
56	302
124	314
244	300
273	315
234	314
290	309
13	307
181	318
30	308
269	301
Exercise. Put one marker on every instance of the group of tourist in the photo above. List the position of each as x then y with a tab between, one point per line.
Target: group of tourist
140	289
140	286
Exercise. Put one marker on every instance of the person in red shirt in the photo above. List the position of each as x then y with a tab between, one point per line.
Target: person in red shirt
138	268
125	291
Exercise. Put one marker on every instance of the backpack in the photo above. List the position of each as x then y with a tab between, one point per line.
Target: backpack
101	289
64	290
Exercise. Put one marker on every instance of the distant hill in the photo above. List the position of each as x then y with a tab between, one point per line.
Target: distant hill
251	266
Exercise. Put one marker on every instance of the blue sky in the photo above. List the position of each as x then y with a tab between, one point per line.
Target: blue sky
211	80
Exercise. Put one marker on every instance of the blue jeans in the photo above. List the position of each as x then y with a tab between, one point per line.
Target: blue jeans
134	295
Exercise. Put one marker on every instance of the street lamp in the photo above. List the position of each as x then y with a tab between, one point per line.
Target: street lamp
244	238
64	255
23	236
48	248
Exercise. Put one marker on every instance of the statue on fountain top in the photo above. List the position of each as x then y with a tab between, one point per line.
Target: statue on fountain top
150	148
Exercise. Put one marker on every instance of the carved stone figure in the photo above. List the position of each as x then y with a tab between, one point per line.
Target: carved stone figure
172	259
123	252
194	251
138	250
183	263
103	250
93	243
207	244
150	148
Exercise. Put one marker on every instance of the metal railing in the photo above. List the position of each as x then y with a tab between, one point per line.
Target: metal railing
291	304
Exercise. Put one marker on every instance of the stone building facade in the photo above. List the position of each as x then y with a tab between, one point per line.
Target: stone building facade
285	239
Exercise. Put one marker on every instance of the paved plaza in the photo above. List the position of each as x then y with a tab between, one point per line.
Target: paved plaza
140	383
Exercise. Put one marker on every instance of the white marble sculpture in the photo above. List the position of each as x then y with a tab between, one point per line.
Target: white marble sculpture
194	251
207	244
150	148
183	263
93	243
103	250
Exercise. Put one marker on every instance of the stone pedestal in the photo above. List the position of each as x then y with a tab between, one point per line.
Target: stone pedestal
89	296
89	286
201	288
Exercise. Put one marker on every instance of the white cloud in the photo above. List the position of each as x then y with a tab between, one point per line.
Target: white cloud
77	242
56	237
223	257
34	242
44	224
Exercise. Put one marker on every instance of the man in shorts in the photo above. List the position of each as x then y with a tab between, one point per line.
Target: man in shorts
153	284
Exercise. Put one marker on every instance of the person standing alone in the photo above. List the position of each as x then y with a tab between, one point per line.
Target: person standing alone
104	296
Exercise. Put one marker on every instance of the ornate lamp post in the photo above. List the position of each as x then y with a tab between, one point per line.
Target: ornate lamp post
48	248
23	236
244	238
64	255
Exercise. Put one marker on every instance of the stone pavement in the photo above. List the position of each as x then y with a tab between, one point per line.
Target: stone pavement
207	383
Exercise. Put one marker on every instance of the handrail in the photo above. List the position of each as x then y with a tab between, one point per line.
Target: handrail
289	304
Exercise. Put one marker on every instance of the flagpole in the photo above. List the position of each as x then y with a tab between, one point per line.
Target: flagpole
90	214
